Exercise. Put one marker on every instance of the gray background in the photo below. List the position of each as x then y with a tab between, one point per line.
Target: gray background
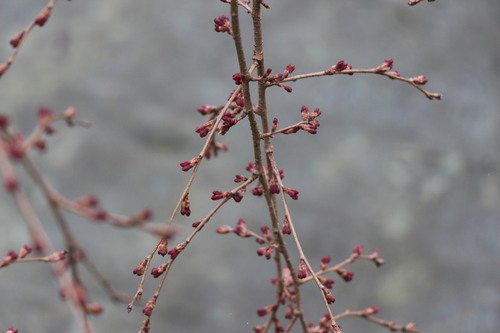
415	179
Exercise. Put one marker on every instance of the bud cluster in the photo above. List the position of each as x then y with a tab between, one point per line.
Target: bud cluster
339	67
223	24
278	78
12	256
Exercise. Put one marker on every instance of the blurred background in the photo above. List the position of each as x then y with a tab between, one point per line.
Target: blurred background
415	179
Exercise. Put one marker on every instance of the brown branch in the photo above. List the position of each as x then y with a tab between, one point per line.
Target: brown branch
18	41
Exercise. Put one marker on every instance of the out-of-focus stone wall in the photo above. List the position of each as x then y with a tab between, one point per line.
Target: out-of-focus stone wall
415	179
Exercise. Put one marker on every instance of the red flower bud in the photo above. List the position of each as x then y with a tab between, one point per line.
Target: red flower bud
42	18
17	39
11	184
24	251
371	310
225	229
328	295
237	78
139	270
344	274
162	248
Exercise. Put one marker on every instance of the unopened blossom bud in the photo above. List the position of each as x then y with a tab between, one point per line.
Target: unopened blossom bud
158	271
217	195
44	116
239	179
147	310
94	308
40	144
204	128
314	114
176	250
224	229
17	39
241	229
294	194
207	109
139	270
11	183
289	69
325	320
10	257
196	224
222	24
15	150
292	130
57	256
345	274
328	283
340	66
287	88
420	80
274	188
186	165
24	251
258	191
250	167
287	230
358	250
163	247
266	232
237	78
410	327
275	125
144	215
371	310
12	330
376	259
42	18
302	272
324	262
262	251
264	311
328	295
305	113
238	196
386	66
185	206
